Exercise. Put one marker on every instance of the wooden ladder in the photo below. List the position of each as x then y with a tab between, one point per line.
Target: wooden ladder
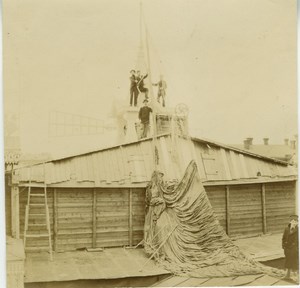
31	215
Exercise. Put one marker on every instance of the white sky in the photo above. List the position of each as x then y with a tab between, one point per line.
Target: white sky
233	62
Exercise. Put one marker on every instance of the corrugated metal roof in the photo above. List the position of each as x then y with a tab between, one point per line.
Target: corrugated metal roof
271	151
134	162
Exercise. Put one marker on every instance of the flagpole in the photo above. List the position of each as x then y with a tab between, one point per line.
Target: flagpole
154	142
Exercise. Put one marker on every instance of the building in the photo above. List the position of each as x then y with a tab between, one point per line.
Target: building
287	151
96	199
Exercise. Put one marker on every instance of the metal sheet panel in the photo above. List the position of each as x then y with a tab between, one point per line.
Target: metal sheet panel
115	165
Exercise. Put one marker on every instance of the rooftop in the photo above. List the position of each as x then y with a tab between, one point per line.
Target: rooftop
113	263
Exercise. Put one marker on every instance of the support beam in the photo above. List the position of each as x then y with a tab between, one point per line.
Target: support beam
15	214
263	203
296	196
130	219
94	241
227	210
55	219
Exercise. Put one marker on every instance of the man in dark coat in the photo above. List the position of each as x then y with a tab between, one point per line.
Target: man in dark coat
291	247
144	116
133	88
140	84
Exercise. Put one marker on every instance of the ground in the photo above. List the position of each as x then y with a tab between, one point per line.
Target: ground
116	263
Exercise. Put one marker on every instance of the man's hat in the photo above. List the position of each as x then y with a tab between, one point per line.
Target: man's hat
132	71
294	217
145	101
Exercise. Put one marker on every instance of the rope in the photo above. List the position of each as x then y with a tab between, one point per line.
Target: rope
199	246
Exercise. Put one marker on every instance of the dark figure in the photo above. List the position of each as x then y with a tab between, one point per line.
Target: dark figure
133	88
144	116
161	93
140	84
291	247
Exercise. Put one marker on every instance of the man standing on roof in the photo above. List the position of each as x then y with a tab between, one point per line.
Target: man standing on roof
291	247
140	84
133	88
161	93
144	116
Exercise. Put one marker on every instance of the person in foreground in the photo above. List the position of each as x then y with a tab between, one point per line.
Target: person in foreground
144	116
290	245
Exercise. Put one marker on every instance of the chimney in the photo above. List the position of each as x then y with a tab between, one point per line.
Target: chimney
286	141
246	144
293	144
287	157
266	141
250	140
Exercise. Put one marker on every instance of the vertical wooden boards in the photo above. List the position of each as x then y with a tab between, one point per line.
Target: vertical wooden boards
55	220
244	172
245	209
225	163
112	217
8	207
130	216
198	152
210	166
94	241
227	195
217	198
120	216
296	197
234	166
138	214
96	169
165	159
85	217
146	152
15	211
280	203
263	204
75	218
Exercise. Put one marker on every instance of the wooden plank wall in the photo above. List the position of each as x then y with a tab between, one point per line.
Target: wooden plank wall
108	217
138	214
253	209
245	209
86	217
74	218
280	203
112	217
7	207
217	198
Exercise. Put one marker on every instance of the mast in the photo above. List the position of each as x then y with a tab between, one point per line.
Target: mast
154	141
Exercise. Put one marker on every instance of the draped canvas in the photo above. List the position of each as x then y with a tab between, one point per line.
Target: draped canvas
180	224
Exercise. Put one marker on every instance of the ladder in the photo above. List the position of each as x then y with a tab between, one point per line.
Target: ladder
37	200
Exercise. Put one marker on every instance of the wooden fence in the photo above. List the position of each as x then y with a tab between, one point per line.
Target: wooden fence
252	209
109	217
90	218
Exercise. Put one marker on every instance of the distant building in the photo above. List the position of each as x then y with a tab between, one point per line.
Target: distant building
287	151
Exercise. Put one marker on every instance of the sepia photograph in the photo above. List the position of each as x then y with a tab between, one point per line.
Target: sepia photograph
150	143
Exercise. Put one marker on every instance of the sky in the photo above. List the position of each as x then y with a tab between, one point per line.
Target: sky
232	62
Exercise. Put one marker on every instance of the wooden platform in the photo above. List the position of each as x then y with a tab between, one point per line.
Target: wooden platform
116	263
15	258
247	280
112	263
262	248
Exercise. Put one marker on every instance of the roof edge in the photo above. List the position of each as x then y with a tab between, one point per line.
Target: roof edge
228	147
